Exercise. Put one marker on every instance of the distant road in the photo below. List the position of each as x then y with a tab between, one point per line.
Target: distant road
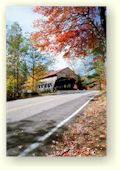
24	108
39	114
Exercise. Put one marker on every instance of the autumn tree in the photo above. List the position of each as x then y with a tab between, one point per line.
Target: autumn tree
24	70
16	50
31	82
25	64
75	31
37	66
95	73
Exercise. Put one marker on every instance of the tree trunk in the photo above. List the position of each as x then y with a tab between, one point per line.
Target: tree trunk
17	80
33	76
103	18
100	87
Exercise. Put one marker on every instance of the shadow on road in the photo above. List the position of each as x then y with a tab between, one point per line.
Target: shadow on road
19	135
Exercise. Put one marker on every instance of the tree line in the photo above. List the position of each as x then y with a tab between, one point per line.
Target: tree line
25	64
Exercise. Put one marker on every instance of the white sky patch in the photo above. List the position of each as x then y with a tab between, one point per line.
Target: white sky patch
60	62
23	15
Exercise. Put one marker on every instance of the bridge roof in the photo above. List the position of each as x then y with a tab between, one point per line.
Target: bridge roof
55	72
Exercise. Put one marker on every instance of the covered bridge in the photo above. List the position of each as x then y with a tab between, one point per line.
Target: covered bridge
63	79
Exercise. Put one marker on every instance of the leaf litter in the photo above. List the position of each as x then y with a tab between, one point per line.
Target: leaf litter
86	136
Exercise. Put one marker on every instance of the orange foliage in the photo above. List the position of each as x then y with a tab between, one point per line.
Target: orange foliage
65	26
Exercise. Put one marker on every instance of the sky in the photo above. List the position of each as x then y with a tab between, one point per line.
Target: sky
25	16
21	14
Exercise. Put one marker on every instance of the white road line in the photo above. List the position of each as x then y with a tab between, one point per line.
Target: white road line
35	145
26	106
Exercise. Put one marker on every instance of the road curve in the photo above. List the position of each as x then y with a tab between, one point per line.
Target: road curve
28	119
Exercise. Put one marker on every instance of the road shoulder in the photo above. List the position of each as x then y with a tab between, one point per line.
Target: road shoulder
84	136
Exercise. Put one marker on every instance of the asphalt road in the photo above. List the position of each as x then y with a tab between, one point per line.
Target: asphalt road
28	119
